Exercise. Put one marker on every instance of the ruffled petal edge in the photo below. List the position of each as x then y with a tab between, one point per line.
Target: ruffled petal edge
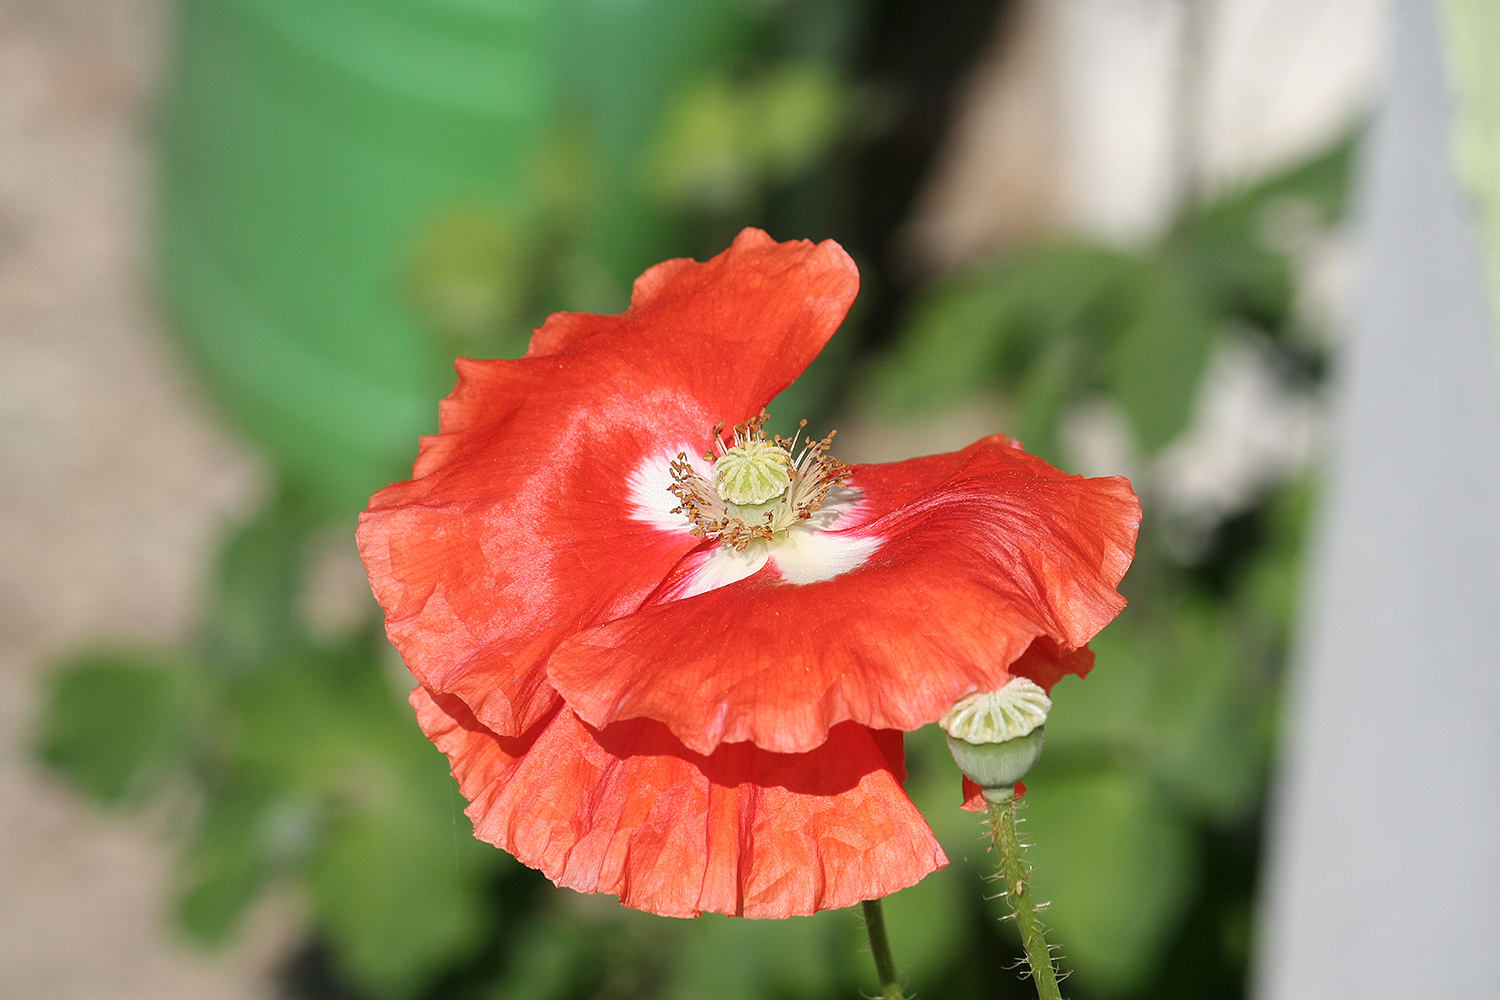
629	811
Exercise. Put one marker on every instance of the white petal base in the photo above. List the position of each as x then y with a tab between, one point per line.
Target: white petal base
806	553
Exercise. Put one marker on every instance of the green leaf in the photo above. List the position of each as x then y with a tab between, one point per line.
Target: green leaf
579	945
1204	748
1116	867
1107	715
936	786
1272	581
1169	699
801	110
1229	248
545	959
1039	400
220	889
396	877
952	342
245	835
252	614
113	726
398	892
722	140
726	958
1027	325
475	271
1153	365
1054	322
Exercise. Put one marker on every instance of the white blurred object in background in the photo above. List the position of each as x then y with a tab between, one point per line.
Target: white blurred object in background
1384	874
1088	117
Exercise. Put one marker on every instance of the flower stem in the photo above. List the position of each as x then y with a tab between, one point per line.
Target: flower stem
1017	875
880	947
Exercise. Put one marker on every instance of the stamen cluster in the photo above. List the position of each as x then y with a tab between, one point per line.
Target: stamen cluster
812	474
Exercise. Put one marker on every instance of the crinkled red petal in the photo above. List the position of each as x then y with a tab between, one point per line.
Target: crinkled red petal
629	811
1045	663
982	553
516	530
974	796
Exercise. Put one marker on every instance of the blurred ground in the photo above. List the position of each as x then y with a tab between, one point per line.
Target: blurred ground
112	486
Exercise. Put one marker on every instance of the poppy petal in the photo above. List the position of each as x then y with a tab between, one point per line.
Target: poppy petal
518	527
973	797
980	553
628	810
1045	663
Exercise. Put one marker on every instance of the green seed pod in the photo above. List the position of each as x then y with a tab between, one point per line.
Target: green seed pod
996	736
996	767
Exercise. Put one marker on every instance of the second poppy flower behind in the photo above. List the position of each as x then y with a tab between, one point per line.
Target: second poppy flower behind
669	655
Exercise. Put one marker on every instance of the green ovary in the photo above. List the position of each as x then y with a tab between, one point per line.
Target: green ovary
753	473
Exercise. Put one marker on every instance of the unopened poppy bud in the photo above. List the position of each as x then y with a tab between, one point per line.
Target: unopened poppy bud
996	736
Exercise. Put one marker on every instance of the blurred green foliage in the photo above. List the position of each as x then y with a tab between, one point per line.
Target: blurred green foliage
723	140
115	726
353	193
1055	323
304	763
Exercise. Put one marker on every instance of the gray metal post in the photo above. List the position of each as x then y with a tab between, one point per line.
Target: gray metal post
1384	872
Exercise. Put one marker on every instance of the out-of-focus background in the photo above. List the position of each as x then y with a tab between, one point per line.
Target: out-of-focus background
241	242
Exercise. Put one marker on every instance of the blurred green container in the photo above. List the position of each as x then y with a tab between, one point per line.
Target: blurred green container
307	147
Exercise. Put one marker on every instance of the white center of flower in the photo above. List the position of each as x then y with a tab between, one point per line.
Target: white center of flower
796	528
760	488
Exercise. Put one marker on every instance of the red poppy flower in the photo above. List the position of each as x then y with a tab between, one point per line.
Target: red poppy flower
671	661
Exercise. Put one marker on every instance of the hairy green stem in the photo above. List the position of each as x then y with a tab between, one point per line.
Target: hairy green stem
880	947
1017	875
